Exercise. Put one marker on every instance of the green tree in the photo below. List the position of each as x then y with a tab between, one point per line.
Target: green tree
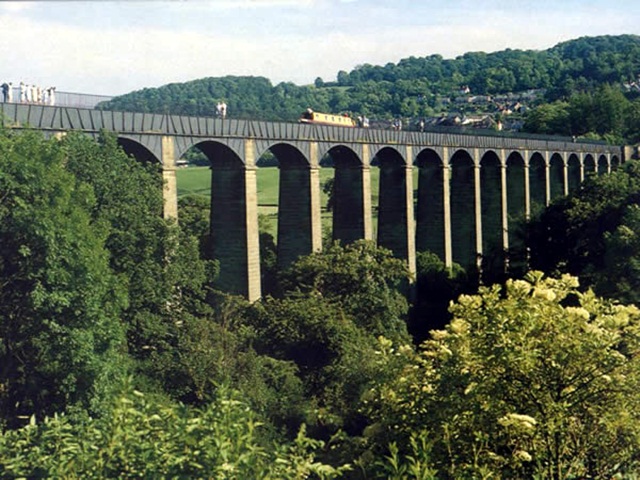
436	287
365	280
59	300
333	306
533	380
586	234
167	280
550	118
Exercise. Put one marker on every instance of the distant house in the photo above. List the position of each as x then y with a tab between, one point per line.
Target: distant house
479	121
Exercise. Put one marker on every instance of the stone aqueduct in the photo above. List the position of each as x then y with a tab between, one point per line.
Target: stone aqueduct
471	188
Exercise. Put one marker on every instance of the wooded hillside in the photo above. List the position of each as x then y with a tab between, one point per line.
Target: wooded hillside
413	87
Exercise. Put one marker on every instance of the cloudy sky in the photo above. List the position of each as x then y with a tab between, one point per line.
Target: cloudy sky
111	48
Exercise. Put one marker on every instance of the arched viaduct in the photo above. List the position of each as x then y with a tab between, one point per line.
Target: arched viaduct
471	188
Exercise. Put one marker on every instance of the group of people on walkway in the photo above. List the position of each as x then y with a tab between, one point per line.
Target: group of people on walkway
28	94
363	121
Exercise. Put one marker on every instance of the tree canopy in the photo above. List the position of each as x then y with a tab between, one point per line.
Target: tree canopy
533	380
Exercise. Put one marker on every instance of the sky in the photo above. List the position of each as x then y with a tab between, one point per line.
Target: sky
115	47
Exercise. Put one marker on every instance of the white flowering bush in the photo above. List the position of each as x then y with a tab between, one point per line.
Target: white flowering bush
141	437
533	380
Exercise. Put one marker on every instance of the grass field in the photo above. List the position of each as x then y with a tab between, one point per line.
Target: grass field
197	181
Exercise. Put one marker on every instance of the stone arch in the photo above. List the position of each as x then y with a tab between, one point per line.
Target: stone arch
167	172
462	201
537	182
352	195
395	194
573	172
603	165
491	215
137	150
234	238
556	176
430	220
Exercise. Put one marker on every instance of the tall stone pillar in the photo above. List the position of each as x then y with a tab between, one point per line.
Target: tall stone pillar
527	186
446	194
169	182
352	201
366	193
547	179
314	192
504	204
565	174
477	205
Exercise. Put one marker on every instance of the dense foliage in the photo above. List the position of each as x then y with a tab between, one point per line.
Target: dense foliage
533	380
140	437
593	234
60	302
604	113
95	286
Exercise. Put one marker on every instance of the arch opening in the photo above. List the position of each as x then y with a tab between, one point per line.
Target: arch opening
463	215
493	255
556	176
351	194
573	173
537	183
395	198
430	219
516	213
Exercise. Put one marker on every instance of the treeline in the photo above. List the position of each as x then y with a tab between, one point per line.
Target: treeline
570	66
602	114
414	87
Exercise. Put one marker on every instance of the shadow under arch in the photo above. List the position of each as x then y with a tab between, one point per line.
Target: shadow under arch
463	215
556	176
537	183
299	230
573	173
589	166
395	201
516	213
493	255
430	223
137	151
615	163
603	165
352	196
